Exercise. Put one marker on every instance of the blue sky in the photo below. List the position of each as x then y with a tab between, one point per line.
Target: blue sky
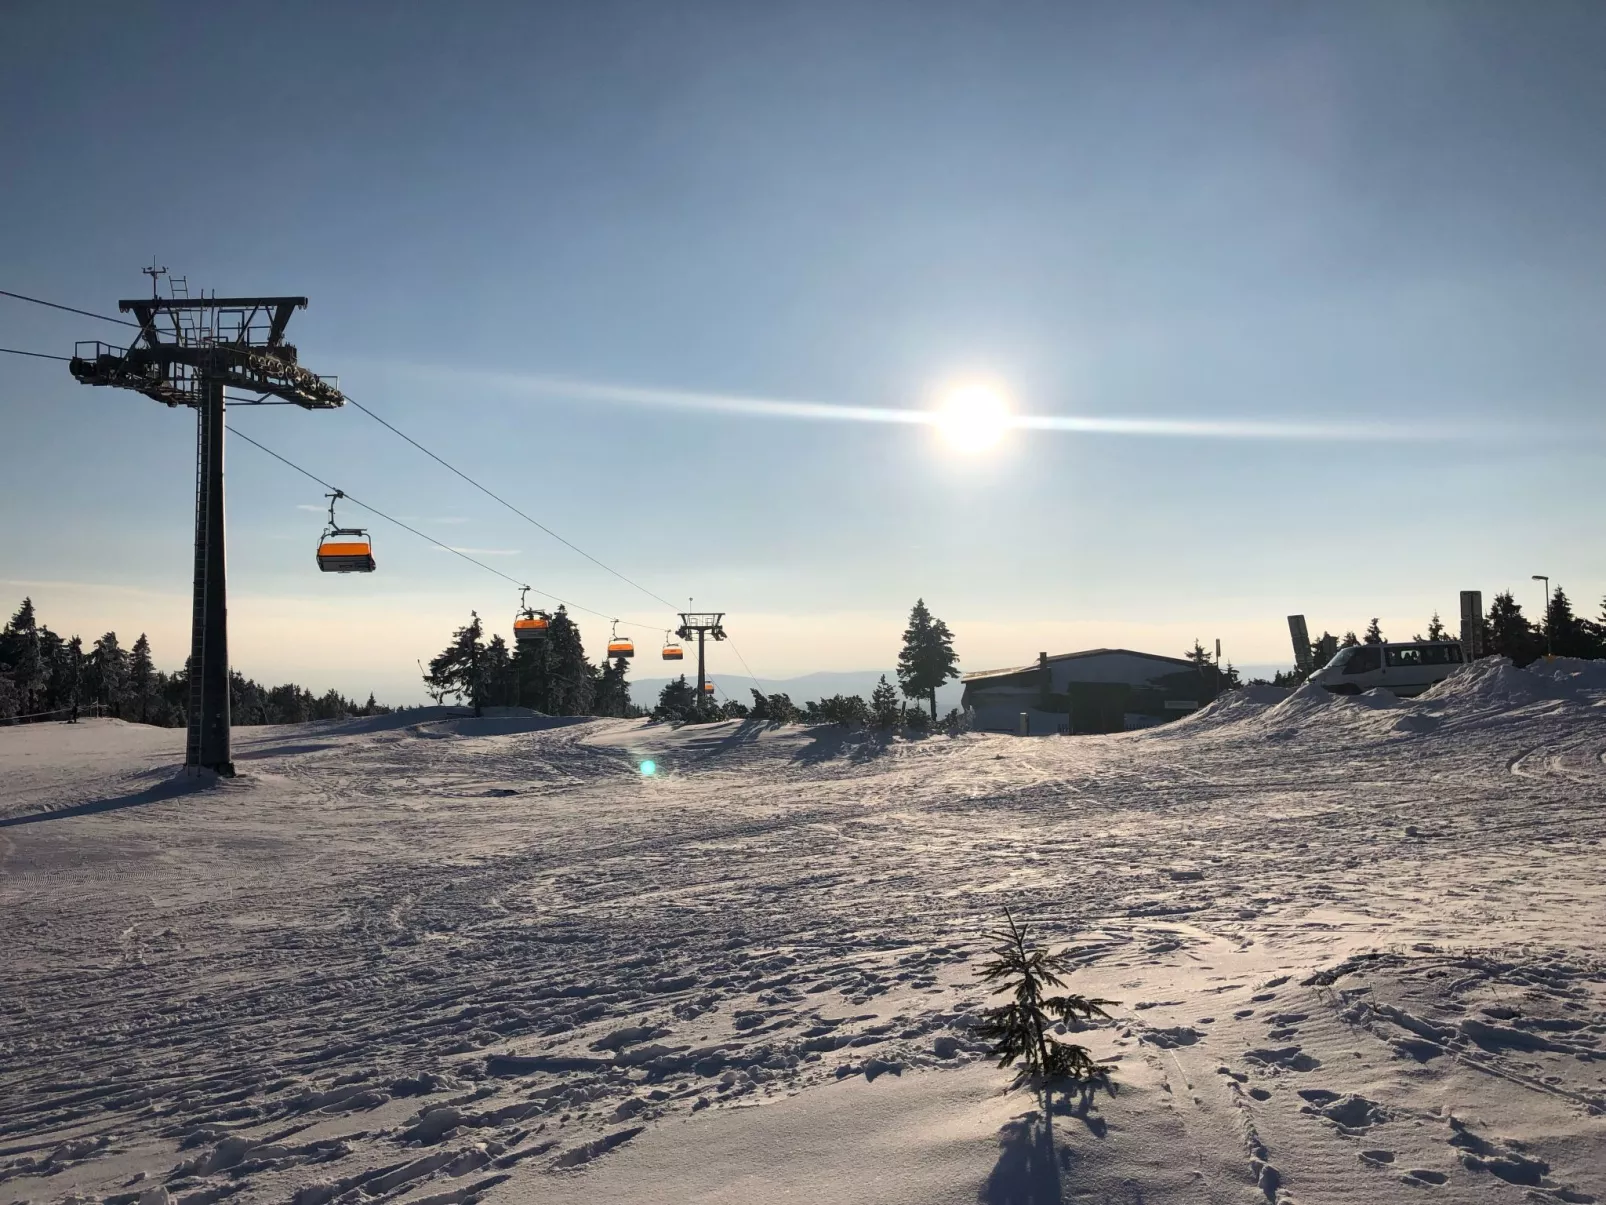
1383	215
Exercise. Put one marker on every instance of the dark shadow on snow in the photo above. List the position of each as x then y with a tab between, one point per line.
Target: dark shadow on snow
168	788
1030	1170
284	750
828	742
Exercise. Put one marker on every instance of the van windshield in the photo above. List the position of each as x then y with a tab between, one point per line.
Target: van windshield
1338	660
1364	660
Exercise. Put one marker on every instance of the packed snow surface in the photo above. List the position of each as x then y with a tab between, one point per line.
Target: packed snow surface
439	960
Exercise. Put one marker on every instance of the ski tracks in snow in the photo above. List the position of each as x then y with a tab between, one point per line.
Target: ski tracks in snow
416	960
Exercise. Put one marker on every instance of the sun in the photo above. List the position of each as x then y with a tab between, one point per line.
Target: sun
973	417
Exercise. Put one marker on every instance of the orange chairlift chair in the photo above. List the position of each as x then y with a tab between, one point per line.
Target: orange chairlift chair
529	626
672	649
344	549
618	646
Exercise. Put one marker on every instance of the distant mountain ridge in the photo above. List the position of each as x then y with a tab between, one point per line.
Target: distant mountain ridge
644	691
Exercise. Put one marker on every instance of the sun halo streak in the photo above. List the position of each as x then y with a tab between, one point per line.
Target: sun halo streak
1085	424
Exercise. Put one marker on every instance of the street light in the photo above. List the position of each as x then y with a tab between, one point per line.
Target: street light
1540	577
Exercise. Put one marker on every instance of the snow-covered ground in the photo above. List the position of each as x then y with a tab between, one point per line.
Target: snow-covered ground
1356	942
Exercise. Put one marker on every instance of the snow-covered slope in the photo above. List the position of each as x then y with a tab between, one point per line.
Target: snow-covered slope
439	960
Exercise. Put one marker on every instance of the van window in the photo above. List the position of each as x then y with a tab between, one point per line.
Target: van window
1364	660
1441	654
1407	656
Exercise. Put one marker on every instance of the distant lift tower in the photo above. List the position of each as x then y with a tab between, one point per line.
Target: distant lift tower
700	625
187	352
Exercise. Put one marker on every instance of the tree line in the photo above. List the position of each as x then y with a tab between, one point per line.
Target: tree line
46	676
552	675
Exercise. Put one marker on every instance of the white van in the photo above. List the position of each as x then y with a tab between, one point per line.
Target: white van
1405	669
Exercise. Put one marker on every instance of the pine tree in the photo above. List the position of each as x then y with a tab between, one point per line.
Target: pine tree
530	677
884	707
781	708
1374	634
570	678
108	673
74	662
1509	634
141	677
1019	1030
20	658
1350	641
459	668
928	659
612	696
676	701
1436	628
1566	634
499	684
1595	633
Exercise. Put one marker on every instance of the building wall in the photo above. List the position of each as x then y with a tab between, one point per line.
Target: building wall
1108	693
993	716
1110	667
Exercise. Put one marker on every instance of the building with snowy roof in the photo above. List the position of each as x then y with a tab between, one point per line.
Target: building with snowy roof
1100	690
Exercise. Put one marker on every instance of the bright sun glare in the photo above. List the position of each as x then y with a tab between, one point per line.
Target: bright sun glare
972	418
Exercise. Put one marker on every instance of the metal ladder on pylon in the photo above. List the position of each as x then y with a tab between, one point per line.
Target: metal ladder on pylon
192	743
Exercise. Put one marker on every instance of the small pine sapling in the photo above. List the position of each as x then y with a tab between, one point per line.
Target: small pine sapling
1020	1028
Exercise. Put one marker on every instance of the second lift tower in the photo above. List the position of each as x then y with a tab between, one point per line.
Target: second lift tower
701	624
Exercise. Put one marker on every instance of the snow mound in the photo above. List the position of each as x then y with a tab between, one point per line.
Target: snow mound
1493	684
1232	707
1300	705
1573	671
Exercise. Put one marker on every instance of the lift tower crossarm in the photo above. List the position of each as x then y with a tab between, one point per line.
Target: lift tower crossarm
238	341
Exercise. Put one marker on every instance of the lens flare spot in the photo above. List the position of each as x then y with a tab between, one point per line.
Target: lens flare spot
649	768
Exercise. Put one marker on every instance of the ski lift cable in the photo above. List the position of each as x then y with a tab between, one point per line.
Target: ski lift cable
743	660
68	308
489	493
403	435
365	506
38	355
422	535
433	456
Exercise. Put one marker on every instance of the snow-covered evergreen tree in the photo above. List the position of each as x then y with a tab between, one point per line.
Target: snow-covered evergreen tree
1509	633
141	679
884	709
927	660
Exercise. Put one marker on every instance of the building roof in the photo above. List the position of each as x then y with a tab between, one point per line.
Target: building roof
982	674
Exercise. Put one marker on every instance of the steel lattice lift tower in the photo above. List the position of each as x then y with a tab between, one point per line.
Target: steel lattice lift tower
187	352
707	623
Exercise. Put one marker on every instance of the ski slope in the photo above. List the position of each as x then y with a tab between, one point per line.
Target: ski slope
438	960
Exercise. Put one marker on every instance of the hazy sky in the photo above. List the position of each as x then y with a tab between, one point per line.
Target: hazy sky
1374	216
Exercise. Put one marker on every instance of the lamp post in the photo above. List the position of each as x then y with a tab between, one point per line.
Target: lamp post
1549	650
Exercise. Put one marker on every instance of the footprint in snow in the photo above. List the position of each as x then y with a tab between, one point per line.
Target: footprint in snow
1291	1058
1420	1176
